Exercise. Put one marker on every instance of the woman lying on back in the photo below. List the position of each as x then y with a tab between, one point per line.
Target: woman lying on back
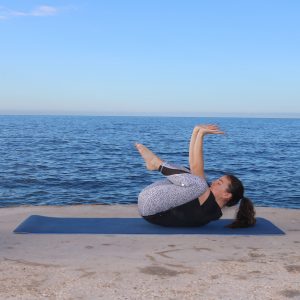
184	198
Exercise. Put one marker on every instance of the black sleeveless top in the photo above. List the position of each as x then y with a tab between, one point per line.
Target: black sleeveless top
189	214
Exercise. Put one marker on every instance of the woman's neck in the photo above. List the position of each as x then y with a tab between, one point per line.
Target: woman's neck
220	201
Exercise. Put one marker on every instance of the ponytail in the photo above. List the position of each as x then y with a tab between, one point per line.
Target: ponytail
245	216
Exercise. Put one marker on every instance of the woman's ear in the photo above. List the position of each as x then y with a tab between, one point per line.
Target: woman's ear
227	196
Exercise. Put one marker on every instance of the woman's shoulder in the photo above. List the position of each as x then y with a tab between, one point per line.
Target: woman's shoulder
211	205
205	196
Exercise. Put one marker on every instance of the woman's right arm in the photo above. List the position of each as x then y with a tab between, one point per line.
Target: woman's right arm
192	146
197	166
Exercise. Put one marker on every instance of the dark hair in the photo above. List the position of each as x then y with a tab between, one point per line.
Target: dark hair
245	216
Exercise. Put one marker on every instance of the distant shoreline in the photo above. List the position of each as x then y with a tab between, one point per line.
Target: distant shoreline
203	115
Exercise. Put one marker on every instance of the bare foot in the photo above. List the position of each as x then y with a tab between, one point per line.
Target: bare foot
152	161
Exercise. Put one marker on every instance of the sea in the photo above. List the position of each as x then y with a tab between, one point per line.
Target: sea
68	160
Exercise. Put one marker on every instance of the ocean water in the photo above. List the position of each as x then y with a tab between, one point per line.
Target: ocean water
65	160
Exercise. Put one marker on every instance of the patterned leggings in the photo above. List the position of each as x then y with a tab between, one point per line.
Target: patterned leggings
179	187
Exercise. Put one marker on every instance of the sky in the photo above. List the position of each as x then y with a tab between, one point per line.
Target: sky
150	57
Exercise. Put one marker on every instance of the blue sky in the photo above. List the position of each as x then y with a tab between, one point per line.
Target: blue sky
158	57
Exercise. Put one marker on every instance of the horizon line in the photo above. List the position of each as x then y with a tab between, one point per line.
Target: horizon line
182	115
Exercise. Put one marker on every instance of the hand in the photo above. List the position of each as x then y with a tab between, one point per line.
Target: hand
208	129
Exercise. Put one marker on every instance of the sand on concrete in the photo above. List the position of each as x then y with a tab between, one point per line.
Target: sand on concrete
147	266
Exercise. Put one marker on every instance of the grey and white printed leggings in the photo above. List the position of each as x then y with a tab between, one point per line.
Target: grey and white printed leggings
179	187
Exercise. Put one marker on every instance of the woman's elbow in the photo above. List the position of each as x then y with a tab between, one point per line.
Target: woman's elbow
196	170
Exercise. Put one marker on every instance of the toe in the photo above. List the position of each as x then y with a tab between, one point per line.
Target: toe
139	147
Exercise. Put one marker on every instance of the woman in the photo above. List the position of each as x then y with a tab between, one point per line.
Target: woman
184	197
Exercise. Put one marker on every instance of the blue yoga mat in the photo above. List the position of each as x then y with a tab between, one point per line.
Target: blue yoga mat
46	225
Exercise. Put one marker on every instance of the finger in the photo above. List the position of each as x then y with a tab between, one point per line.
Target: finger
217	132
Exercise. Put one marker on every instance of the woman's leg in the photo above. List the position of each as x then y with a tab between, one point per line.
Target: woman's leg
163	194
172	169
153	162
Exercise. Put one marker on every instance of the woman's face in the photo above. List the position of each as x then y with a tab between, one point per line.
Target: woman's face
219	188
